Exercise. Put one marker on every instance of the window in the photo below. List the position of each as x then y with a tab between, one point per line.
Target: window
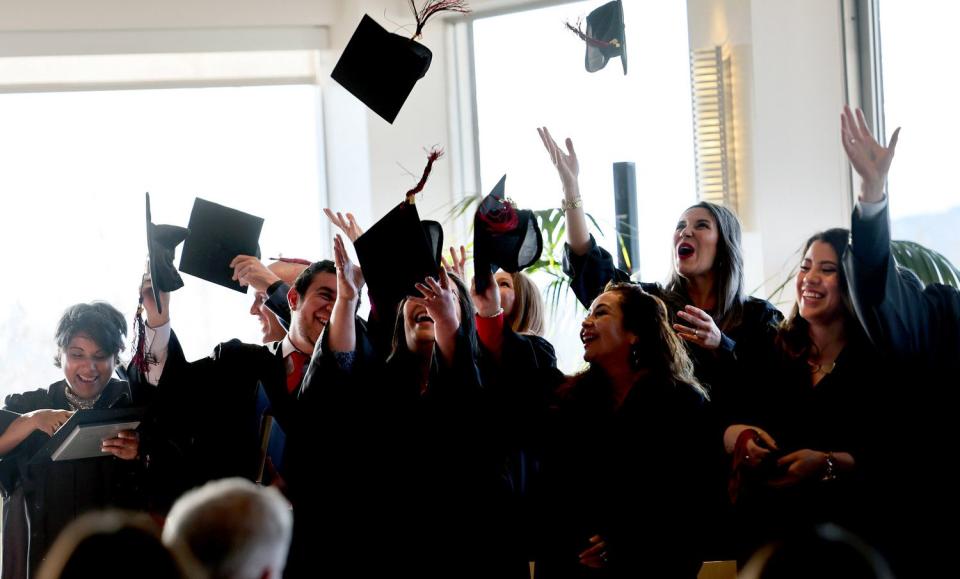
530	73
76	166
918	94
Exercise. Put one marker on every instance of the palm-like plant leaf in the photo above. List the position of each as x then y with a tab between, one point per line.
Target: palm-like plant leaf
929	265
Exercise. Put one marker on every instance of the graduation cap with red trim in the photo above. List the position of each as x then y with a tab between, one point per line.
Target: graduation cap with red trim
503	236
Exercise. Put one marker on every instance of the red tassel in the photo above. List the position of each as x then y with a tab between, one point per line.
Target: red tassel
592	41
502	219
295	260
432	156
139	360
434	6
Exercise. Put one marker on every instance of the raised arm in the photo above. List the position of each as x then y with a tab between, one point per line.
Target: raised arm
343	336
441	303
898	313
568	168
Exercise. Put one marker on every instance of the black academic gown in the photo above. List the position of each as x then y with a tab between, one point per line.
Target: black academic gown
41	499
743	351
209	409
918	328
514	394
636	476
409	485
850	410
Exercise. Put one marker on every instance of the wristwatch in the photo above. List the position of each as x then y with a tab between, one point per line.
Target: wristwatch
575	204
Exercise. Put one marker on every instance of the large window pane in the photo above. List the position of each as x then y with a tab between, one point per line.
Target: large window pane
530	73
75	169
919	94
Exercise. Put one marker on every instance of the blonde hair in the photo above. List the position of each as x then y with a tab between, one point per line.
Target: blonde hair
528	307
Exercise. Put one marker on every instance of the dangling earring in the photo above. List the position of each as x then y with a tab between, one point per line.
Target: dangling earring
635	357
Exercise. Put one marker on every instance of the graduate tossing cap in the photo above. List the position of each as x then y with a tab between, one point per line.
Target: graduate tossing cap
162	242
400	250
503	236
380	68
605	36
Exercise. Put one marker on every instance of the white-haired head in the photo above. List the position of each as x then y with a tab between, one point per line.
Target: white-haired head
233	528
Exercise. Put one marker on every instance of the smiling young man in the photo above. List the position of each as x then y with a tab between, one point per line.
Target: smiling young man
212	404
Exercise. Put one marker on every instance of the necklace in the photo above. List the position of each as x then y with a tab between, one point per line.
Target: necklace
77	403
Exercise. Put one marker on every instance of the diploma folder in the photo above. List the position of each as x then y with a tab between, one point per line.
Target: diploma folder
82	434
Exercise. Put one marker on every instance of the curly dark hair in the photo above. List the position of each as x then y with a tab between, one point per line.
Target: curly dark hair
101	322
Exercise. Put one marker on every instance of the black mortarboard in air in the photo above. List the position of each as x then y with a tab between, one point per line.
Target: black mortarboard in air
400	251
217	235
162	242
380	68
605	36
503	236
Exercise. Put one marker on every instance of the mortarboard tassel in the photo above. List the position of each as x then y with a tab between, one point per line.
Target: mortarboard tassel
139	360
592	41
295	260
434	6
433	155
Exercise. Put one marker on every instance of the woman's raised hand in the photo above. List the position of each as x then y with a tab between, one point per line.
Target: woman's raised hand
565	162
869	158
348	225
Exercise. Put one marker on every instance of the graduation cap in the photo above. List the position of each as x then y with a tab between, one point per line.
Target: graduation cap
503	237
398	252
390	272
162	242
217	235
605	36
381	68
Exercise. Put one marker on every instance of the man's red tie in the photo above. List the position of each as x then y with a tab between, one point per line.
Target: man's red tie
298	363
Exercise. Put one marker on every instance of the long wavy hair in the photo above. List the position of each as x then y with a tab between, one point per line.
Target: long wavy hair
528	308
658	350
793	336
727	268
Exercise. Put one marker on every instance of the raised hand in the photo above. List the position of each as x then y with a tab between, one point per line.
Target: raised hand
440	299
870	159
457	265
154	318
348	225
566	163
349	276
248	270
487	303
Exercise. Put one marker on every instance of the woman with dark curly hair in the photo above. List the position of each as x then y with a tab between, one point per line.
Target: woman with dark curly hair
623	448
49	495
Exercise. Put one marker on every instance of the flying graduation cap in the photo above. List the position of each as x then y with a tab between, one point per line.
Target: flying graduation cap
217	235
400	250
605	37
503	236
381	68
